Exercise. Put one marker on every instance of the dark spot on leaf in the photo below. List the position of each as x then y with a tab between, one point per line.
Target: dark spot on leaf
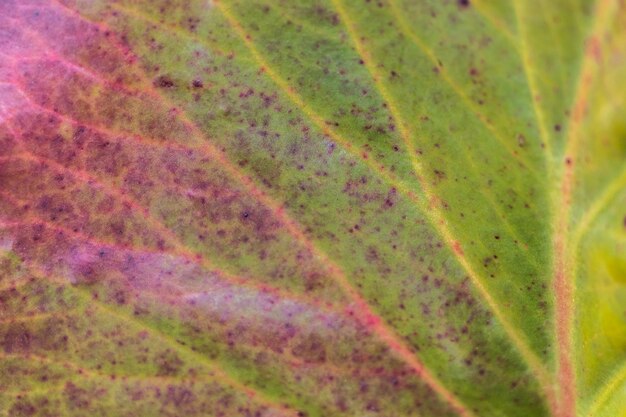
311	349
17	339
77	397
120	297
169	363
164	81
22	408
178	396
464	3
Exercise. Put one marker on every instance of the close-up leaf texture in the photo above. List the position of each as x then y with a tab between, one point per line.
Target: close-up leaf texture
313	208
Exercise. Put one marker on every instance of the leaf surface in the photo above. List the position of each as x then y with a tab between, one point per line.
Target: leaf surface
312	208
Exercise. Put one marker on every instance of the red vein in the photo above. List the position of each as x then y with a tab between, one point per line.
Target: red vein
34	220
125	135
564	268
53	55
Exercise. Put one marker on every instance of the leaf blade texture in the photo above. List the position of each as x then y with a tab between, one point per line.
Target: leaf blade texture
312	208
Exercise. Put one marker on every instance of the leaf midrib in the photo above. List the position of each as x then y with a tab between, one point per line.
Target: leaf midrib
565	266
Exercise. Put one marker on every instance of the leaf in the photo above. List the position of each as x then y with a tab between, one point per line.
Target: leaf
312	208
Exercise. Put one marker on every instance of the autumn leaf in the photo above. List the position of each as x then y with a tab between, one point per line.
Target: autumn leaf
313	208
